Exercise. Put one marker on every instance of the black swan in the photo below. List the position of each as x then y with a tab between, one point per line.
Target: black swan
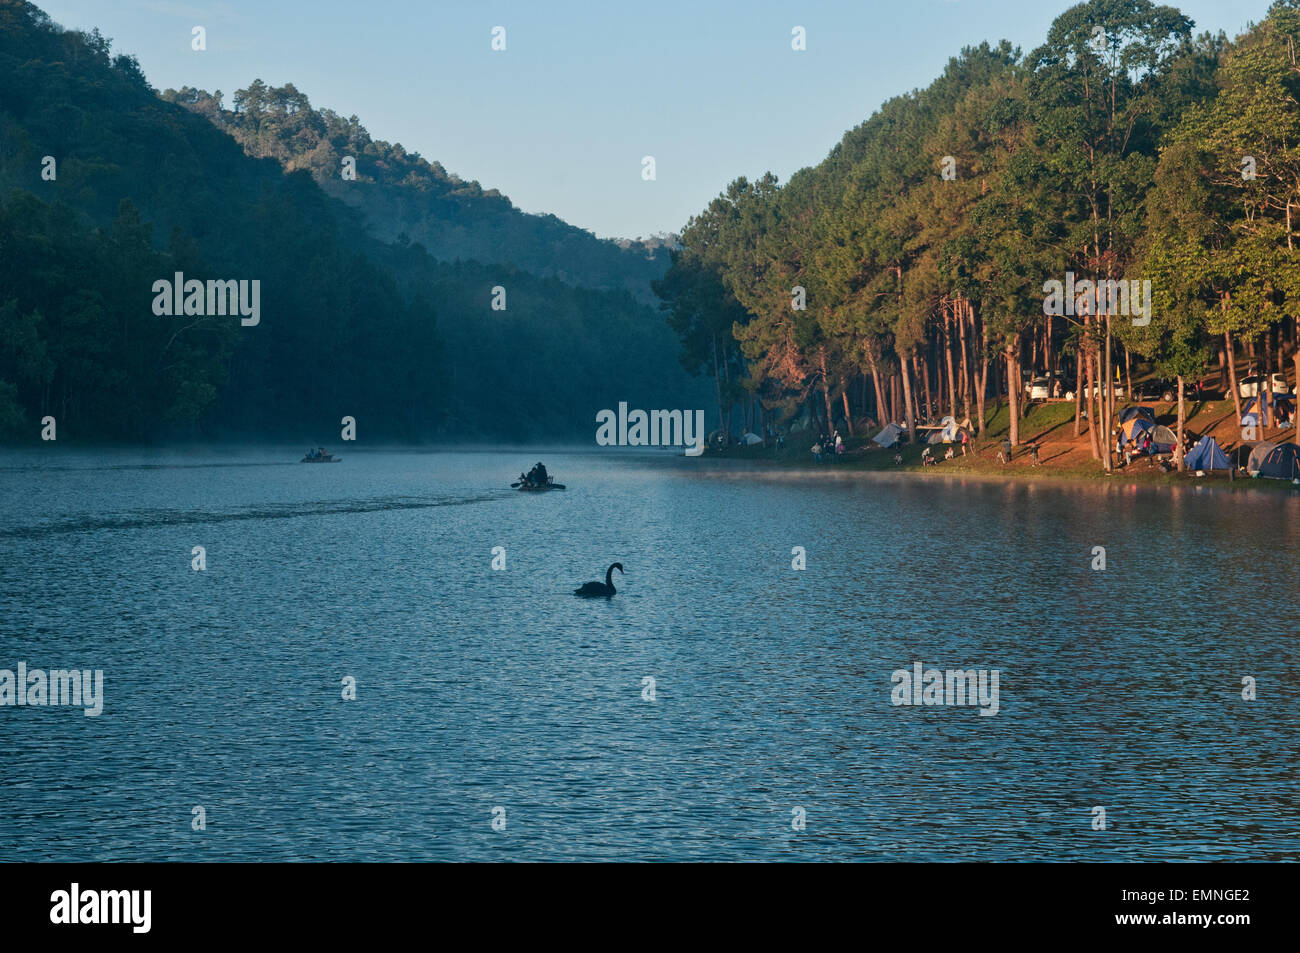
599	589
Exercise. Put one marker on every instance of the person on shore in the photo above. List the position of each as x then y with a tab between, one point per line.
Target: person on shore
965	441
1005	455
817	451
839	444
1033	455
898	458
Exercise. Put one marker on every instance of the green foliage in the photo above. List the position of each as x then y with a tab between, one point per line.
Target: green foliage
1113	151
350	325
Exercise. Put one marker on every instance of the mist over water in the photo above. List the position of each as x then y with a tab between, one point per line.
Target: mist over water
479	688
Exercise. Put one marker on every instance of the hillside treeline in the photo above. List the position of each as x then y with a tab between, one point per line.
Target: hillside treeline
908	275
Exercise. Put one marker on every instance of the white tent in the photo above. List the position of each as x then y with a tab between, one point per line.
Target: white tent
749	439
946	432
889	436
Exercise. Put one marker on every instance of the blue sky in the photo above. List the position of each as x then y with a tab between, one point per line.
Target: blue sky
560	120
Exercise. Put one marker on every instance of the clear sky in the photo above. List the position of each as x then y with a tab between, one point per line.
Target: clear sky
561	119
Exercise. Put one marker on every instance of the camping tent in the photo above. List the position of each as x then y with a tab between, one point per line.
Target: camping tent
1163	440
946	432
749	439
1257	455
1207	455
889	436
1133	428
1128	413
1281	463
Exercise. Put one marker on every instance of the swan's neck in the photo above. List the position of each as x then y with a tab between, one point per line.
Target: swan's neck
609	578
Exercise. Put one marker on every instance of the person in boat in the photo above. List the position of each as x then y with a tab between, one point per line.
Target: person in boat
311	454
540	474
321	454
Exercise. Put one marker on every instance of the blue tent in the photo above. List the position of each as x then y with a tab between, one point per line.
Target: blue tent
1282	462
1128	413
1207	455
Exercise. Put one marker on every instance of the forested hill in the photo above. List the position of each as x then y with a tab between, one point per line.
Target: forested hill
928	266
404	196
107	188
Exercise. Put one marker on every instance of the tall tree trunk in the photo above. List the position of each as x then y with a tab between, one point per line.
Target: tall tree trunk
924	366
881	409
1078	388
726	378
1232	372
1266	385
962	317
1295	357
1182	419
826	390
1013	389
1091	390
848	417
907	397
1108	403
947	353
1051	356
982	388
717	379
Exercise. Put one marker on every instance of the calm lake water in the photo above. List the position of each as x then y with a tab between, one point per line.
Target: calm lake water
480	689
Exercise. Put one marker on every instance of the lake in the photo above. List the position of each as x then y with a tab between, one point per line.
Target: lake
498	717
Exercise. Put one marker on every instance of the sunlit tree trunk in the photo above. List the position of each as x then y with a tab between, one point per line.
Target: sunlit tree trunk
981	391
907	397
881	408
1091	390
1232	372
1182	419
1013	389
947	353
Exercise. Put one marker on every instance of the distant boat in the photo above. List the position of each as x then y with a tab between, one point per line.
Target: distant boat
327	458
550	484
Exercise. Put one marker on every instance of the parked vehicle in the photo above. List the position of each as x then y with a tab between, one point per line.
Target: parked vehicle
1249	386
1157	390
1040	388
1118	391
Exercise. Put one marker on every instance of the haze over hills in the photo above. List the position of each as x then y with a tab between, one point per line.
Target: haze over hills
107	188
408	197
